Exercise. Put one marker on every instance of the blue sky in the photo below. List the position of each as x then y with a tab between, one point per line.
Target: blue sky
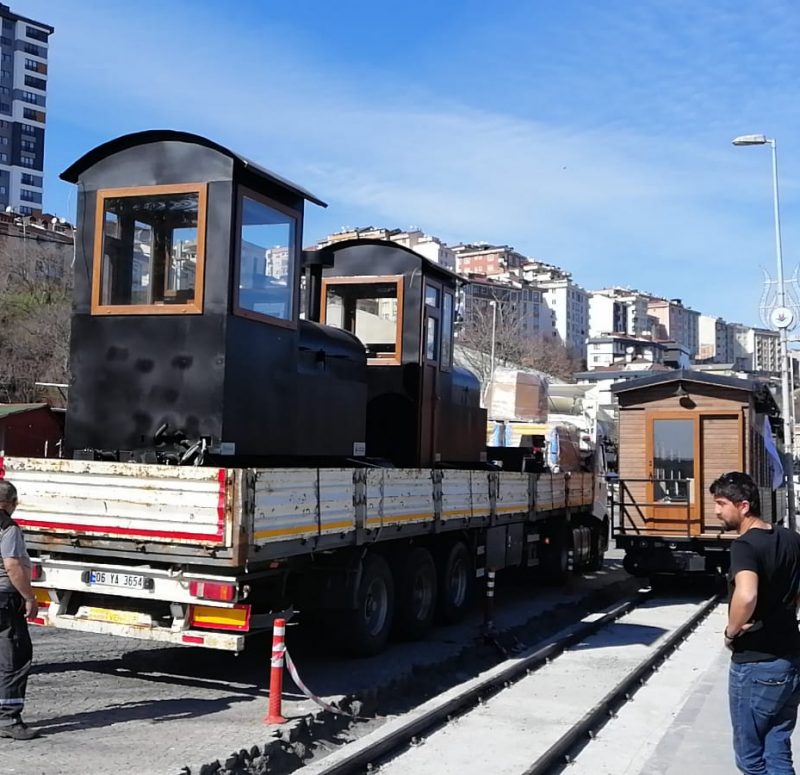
592	135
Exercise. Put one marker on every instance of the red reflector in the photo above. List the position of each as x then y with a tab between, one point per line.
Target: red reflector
37	620
193	639
212	590
36	572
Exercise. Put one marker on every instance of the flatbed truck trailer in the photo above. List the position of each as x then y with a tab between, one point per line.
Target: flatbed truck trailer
206	556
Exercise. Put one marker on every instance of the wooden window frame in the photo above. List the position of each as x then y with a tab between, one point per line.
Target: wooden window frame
398	281
261	317
697	417
445	294
430	312
196	307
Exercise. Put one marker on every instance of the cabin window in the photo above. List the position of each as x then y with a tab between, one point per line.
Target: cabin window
673	460
371	309
149	250
432	323
432	339
447	330
267	260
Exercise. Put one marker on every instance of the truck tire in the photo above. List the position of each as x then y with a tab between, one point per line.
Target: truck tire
555	567
365	629
415	593
595	563
456	582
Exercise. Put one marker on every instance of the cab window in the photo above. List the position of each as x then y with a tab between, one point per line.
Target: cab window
149	250
370	309
267	260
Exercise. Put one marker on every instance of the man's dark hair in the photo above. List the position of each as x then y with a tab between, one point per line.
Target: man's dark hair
8	493
737	487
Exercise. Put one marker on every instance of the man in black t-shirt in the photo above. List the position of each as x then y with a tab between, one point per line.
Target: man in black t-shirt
762	632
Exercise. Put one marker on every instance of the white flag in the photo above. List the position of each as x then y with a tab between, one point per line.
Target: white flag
774	456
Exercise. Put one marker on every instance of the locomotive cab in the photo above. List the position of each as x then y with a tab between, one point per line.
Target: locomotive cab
422	409
186	335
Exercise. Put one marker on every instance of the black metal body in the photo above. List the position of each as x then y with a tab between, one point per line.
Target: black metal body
258	391
421	411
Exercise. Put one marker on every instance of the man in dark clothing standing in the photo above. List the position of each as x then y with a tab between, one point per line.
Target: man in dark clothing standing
17	600
762	633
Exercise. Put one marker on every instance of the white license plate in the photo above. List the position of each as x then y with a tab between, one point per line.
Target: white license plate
112	579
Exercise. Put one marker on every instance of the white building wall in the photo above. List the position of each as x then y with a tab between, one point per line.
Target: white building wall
601	314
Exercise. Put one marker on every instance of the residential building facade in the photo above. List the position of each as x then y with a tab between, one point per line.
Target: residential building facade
756	349
619	311
676	323
611	349
488	260
716	343
517	302
426	245
567	300
23	101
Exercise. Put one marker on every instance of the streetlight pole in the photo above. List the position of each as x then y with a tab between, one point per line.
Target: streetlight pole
493	305
782	318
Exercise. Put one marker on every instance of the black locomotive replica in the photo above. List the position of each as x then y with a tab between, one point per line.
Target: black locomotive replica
188	341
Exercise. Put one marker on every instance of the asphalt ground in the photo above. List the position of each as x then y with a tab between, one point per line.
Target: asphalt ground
110	705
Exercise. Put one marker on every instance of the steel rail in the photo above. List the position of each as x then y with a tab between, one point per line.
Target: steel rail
559	754
443	712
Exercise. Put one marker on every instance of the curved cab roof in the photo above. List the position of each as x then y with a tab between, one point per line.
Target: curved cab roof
124	142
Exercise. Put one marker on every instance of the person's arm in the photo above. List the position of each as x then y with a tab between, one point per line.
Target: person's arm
743	603
19	575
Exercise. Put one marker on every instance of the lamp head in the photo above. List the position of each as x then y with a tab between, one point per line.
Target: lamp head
750	140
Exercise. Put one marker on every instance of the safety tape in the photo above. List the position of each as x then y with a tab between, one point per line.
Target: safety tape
308	693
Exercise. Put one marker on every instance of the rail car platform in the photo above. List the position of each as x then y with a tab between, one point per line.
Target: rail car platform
678	722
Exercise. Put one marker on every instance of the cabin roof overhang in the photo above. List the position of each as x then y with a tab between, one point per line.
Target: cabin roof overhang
123	143
765	401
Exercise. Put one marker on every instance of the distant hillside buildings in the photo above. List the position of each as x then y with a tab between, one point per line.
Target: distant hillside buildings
611	328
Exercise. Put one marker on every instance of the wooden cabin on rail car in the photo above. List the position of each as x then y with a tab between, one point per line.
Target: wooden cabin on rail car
679	431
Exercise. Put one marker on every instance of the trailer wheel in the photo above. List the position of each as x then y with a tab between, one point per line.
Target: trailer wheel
416	593
366	628
456	582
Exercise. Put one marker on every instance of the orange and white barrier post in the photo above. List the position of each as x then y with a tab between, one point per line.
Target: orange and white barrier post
276	673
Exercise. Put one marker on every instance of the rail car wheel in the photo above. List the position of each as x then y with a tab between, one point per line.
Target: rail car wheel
366	628
415	582
456	582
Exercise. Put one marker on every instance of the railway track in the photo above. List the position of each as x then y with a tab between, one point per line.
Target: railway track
531	714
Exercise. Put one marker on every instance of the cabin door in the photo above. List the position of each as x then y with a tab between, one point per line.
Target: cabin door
429	384
673	460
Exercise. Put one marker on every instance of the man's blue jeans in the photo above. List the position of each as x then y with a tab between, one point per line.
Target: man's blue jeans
763	700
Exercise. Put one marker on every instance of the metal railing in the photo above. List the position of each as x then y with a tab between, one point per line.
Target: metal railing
632	514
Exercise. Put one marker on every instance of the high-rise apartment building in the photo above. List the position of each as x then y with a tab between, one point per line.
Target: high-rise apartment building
567	300
23	89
